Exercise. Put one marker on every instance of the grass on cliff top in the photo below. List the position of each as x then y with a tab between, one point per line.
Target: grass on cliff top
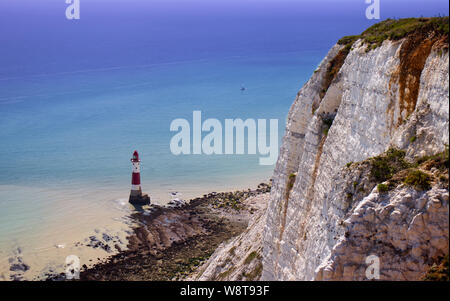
396	29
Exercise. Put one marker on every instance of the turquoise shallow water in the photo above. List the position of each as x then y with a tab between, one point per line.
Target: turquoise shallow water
80	129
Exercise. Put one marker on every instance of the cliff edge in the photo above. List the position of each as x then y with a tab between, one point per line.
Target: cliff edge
378	97
363	167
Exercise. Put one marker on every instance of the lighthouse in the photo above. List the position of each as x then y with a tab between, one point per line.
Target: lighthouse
136	196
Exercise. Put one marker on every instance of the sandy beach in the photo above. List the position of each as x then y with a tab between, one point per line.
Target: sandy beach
82	220
168	242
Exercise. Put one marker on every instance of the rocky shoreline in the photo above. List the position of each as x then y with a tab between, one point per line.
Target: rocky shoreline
170	242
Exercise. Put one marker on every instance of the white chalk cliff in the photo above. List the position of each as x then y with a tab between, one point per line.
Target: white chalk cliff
325	215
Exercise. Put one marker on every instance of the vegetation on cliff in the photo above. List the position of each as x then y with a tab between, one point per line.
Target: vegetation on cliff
385	165
392	29
439	271
396	29
392	167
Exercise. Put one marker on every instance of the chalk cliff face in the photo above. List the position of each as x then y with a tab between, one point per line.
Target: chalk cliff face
326	215
358	172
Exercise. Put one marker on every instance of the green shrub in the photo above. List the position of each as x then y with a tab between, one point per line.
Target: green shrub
418	179
348	40
384	166
441	160
255	273
250	257
291	181
225	274
382	188
439	271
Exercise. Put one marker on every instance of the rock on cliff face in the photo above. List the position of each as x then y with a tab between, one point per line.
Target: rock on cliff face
405	229
359	103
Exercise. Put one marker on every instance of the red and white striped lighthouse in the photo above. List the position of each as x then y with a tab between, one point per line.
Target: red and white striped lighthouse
136	196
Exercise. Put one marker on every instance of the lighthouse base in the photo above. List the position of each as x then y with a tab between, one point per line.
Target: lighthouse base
140	199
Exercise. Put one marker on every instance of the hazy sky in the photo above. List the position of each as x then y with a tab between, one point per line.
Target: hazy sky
36	33
389	8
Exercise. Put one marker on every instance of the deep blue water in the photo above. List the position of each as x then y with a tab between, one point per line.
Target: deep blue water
77	97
